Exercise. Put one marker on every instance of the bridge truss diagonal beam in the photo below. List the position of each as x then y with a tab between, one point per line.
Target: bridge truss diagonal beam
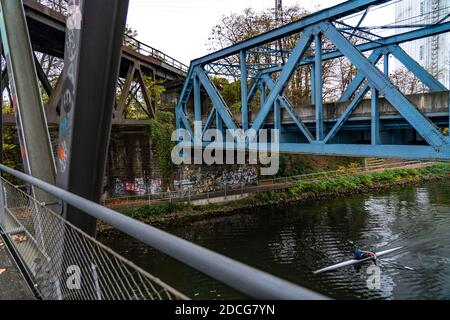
418	121
299	50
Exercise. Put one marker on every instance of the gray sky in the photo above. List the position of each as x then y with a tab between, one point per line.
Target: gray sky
181	28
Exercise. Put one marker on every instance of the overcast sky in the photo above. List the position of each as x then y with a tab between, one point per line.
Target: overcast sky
181	28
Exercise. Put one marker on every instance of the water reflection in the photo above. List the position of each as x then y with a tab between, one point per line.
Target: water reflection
293	241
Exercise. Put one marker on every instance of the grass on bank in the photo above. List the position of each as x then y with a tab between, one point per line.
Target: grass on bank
367	180
342	183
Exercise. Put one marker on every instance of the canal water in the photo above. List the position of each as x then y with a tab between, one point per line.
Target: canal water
294	240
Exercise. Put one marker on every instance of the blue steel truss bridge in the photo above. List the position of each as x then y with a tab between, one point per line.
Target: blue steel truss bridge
371	117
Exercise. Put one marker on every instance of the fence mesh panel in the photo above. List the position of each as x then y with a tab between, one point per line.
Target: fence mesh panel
64	263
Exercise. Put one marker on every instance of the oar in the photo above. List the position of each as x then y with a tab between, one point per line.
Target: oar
398	265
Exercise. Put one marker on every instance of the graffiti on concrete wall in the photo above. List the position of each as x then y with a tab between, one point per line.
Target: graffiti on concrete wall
208	181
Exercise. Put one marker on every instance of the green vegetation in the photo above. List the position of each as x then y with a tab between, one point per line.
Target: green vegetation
160	131
355	182
155	210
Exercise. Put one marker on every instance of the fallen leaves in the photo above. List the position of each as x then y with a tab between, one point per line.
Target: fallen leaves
19	238
2	270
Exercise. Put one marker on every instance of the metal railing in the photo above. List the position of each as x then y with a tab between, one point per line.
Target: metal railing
242	189
61	6
47	244
146	50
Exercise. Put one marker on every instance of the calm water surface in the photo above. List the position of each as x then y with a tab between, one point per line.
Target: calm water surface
292	241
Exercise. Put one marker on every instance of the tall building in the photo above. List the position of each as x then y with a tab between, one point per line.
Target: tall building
434	52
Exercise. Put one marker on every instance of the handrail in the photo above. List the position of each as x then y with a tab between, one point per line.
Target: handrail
248	280
145	49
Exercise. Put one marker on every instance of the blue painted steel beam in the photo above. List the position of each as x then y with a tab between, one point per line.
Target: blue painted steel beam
263	94
209	121
253	89
286	73
217	100
352	150
374	57
197	100
375	118
341	10
313	82
318	99
384	42
182	119
244	90
386	64
290	109
277	115
346	114
422	125
412	65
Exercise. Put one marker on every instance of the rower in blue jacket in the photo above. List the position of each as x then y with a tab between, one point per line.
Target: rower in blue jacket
360	254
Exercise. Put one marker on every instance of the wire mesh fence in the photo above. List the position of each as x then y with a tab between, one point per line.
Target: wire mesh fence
64	263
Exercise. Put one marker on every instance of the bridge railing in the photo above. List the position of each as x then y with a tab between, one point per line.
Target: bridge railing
146	50
54	252
61	6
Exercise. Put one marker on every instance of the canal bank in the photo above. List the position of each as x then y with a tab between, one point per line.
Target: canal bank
325	188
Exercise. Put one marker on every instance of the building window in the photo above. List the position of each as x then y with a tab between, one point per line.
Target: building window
422	52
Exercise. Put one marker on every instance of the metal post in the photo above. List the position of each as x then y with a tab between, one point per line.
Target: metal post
92	55
313	82
277	115
219	122
318	88
244	90
197	100
375	117
263	94
386	64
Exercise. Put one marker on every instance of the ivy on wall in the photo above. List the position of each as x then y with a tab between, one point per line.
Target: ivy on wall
160	131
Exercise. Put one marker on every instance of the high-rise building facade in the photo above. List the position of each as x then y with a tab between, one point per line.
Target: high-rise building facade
434	52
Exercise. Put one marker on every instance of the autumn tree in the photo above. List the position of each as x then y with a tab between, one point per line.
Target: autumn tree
232	29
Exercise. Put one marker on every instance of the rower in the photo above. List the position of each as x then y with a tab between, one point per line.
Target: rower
360	254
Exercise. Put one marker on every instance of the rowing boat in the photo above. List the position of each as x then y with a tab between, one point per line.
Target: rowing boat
355	262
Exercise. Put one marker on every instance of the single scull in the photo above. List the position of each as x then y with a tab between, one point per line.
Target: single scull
355	262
